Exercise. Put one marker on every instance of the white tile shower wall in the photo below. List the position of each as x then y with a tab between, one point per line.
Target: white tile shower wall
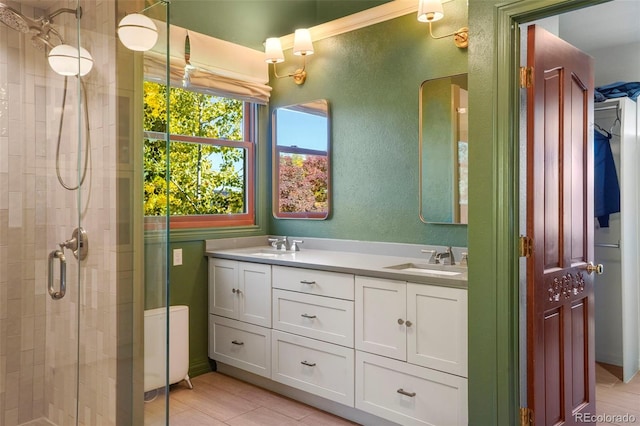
38	336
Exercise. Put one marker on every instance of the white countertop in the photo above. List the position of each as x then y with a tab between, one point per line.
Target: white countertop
372	265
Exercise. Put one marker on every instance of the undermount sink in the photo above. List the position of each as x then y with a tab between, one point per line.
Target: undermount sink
272	253
425	268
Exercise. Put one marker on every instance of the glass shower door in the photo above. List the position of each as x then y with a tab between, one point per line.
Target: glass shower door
68	273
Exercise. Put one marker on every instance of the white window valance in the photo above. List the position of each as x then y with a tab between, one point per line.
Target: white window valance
223	68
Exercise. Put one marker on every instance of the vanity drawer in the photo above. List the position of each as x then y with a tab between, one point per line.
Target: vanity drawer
241	345
316	367
318	317
323	283
408	394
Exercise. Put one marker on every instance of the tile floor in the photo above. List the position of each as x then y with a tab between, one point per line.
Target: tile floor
218	400
222	400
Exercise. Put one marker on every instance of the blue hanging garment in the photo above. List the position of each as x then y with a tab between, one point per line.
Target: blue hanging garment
606	188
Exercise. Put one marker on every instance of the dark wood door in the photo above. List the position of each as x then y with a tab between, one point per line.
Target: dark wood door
560	319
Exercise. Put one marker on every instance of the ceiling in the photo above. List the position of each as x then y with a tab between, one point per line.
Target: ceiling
250	22
609	24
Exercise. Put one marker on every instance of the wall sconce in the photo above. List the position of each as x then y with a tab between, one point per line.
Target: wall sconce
302	46
67	60
138	32
431	11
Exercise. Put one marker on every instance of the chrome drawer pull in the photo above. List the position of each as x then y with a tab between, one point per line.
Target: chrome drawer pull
235	342
307	282
404	392
308	316
308	364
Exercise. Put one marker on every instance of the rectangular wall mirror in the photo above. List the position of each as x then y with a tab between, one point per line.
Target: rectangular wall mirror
301	161
444	160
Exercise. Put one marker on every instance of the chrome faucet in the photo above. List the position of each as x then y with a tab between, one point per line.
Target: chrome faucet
295	245
433	258
278	243
446	257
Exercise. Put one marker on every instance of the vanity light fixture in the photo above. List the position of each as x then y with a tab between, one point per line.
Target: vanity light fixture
138	32
302	46
431	11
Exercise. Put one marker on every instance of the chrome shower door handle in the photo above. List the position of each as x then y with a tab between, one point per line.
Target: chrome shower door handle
56	295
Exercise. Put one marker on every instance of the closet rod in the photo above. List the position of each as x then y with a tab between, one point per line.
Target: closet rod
608	245
607	107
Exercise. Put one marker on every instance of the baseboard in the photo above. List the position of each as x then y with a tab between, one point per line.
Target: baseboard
608	358
198	367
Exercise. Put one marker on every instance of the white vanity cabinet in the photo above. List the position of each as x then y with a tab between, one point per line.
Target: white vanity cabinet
240	314
387	348
411	351
419	323
240	290
312	345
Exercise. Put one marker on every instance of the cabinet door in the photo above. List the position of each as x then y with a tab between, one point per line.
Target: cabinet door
223	282
437	337
380	317
254	298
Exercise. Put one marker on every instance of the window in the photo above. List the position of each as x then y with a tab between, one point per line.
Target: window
211	158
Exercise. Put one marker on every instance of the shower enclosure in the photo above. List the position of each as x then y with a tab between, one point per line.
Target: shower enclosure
71	224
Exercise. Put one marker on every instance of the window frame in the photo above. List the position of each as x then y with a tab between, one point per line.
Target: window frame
248	143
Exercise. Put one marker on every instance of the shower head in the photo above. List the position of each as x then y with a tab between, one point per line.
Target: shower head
42	40
16	20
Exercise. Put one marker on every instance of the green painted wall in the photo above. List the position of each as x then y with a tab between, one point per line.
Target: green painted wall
371	78
188	286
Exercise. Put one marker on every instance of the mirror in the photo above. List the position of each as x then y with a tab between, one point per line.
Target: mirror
301	167
444	157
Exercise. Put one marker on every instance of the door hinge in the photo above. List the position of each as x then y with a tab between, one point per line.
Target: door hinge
525	246
526	416
526	77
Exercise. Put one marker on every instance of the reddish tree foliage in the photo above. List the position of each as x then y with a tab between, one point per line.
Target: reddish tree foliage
303	183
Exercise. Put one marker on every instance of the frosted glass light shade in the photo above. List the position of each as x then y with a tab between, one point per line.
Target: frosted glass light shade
137	32
430	10
273	51
67	60
302	42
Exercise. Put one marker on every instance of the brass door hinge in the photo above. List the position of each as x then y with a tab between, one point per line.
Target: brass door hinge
525	246
526	77
526	416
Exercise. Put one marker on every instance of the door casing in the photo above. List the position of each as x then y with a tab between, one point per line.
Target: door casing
504	359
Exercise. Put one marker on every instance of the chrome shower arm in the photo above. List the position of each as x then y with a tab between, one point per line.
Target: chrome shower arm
77	12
